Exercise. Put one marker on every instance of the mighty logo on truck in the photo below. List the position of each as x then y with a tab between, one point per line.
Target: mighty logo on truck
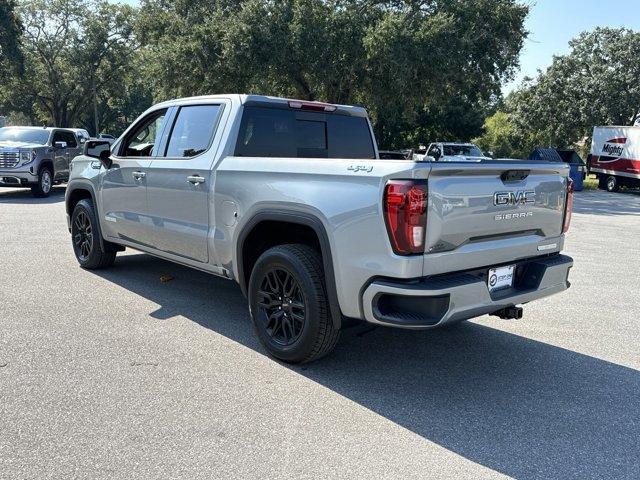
614	147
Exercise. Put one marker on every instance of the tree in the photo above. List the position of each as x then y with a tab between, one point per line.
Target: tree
500	136
73	50
10	33
596	83
407	61
443	57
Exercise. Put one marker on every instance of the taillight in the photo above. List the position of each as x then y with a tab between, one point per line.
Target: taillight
405	213
568	207
313	106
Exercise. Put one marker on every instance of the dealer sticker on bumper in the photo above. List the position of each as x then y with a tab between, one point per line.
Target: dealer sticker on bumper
501	277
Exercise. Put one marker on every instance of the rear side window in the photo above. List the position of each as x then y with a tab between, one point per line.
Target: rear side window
193	130
274	132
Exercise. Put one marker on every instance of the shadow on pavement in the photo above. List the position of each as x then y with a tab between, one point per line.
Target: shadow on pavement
597	202
518	406
24	196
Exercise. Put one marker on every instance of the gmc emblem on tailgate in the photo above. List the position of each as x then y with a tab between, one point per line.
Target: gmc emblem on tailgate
521	197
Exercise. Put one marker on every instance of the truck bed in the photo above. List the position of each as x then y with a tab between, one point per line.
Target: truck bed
346	195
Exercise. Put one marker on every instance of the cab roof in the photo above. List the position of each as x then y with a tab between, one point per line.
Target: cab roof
44	129
270	101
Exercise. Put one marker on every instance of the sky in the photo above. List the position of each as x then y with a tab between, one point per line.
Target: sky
552	23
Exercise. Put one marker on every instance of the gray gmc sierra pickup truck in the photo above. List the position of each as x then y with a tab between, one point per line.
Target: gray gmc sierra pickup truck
290	199
36	157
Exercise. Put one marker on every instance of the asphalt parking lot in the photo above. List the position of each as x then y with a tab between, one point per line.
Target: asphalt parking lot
115	374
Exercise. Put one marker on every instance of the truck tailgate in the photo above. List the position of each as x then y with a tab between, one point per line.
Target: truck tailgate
492	213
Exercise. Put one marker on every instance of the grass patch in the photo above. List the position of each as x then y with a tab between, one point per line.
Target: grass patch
590	183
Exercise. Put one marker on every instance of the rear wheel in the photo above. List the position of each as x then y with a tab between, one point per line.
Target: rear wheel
90	252
288	303
45	182
612	184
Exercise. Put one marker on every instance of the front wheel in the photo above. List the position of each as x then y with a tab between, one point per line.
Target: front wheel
289	306
612	184
90	252
45	181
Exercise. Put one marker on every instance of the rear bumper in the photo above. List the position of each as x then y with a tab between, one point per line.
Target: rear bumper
436	301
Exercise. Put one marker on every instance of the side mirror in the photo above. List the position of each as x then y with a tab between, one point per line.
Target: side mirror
60	145
99	149
436	153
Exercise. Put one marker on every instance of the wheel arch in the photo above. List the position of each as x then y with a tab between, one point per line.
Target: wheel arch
79	190
296	219
46	162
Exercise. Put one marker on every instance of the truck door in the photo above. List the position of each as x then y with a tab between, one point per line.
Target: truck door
72	150
179	182
60	155
124	185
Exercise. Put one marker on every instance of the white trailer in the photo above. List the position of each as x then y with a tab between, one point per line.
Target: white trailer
615	157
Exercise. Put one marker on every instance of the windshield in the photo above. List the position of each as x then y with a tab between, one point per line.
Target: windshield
24	135
464	150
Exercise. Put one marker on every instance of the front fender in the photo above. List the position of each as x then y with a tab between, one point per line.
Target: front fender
84	185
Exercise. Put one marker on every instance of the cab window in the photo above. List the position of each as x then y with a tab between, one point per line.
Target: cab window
434	152
277	132
192	131
143	139
67	137
70	138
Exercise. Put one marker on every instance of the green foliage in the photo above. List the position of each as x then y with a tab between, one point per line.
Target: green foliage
69	48
425	69
500	137
422	68
595	84
10	31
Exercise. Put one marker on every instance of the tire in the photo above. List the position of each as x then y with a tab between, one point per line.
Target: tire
612	184
90	252
289	306
42	189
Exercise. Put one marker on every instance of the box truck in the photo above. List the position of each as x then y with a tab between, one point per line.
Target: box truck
615	157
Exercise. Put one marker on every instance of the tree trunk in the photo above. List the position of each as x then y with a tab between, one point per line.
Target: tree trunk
303	87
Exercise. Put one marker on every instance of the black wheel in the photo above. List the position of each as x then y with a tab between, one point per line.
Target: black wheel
288	303
89	251
45	182
612	184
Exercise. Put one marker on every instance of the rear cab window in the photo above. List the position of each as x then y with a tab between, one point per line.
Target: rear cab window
291	133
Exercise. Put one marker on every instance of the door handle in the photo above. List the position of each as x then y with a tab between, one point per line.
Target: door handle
138	175
195	179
